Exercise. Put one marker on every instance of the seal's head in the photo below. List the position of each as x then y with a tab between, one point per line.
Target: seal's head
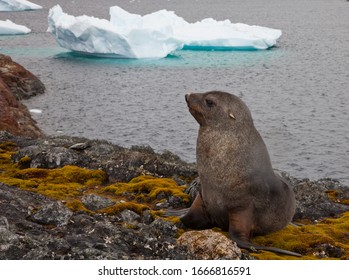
217	108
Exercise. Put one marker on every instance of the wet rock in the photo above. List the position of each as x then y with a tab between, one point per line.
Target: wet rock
95	202
54	213
210	245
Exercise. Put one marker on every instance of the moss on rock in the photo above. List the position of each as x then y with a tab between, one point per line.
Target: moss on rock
148	188
306	239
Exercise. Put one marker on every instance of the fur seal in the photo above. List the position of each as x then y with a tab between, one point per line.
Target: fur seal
240	192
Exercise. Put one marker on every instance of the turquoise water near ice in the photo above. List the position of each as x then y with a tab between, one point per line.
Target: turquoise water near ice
297	92
182	58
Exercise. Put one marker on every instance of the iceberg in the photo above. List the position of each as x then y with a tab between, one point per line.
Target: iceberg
18	5
90	35
7	27
205	34
154	35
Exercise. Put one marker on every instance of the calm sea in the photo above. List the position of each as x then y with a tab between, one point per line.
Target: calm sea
297	92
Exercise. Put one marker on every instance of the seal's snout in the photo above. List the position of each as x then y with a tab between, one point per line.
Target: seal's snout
187	97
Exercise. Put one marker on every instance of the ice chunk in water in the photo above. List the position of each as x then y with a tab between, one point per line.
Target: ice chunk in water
153	35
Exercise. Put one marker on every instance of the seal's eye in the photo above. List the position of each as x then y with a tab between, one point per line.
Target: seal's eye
209	103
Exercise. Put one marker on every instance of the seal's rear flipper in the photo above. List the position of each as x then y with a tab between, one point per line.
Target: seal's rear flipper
240	231
254	248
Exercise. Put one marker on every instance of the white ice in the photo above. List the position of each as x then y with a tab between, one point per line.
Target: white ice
153	35
7	27
35	111
100	37
18	5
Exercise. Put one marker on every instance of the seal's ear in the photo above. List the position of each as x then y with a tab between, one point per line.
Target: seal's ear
232	116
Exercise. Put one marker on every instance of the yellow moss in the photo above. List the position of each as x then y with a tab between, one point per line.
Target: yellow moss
140	179
24	162
6	161
77	205
67	183
20	183
60	191
345	201
305	239
172	219
333	195
8	146
147	188
74	174
135	207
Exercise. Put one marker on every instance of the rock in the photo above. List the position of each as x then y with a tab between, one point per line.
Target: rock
121	164
129	216
14	116
54	213
95	202
161	227
193	188
313	202
210	245
17	83
79	235
21	82
79	146
328	251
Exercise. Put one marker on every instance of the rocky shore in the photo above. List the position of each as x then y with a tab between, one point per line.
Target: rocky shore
75	198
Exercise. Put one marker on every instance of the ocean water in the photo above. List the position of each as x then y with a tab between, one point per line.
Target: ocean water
297	92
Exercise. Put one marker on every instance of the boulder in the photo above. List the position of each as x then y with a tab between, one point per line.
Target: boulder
17	83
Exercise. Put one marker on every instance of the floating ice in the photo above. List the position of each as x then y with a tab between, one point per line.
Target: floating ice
7	27
18	5
154	35
205	34
100	37
35	111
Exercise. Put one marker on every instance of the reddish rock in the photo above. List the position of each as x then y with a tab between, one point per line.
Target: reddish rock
14	116
22	83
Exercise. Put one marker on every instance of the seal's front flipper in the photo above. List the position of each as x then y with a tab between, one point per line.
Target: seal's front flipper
176	212
197	217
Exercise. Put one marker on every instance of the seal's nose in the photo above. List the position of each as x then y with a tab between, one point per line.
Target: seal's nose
187	97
